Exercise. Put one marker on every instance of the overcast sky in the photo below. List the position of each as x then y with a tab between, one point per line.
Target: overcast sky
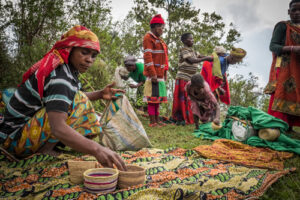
254	19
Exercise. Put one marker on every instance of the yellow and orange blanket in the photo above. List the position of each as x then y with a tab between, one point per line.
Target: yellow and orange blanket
173	173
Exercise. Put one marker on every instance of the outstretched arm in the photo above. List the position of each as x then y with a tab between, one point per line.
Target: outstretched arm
198	60
217	118
73	139
107	93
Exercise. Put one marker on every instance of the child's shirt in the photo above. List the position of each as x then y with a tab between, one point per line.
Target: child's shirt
185	69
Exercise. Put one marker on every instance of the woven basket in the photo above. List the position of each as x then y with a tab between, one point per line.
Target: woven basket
269	134
100	180
215	126
135	175
76	169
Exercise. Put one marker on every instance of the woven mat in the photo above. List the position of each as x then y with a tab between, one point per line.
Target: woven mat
173	173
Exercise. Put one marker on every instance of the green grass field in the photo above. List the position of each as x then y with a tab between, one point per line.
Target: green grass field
286	188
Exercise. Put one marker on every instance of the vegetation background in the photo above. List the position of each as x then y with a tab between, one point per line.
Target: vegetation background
29	28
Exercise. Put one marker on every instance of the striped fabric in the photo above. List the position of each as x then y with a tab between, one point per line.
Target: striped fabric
36	132
59	91
185	69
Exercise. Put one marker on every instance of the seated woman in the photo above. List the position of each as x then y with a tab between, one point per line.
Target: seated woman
49	107
204	105
136	70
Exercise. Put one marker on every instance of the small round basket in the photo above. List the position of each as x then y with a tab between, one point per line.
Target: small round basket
270	134
76	169
215	126
100	180
135	175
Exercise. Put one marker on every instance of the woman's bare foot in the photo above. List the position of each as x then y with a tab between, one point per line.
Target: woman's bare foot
48	148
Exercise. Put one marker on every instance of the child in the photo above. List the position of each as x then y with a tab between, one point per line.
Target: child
188	65
204	104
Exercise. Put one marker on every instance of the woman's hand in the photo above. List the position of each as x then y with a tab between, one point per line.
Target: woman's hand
133	86
70	137
154	79
296	49
216	121
108	158
221	91
108	93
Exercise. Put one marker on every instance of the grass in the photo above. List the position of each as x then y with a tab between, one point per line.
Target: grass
286	188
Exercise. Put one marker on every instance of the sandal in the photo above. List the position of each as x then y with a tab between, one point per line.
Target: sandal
162	123
153	125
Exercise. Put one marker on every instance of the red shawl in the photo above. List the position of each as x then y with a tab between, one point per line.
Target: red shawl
214	82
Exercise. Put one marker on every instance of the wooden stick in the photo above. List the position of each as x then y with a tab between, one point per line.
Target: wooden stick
238	119
8	154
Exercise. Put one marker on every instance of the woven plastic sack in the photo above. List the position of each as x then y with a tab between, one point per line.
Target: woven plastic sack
241	132
122	129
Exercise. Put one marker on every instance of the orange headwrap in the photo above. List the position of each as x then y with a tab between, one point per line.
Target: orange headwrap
78	36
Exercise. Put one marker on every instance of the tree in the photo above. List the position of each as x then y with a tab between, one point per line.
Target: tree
30	27
246	92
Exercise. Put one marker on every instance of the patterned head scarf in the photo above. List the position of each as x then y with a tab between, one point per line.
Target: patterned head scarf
220	49
238	53
130	60
78	36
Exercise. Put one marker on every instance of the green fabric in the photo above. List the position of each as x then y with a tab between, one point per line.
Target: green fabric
162	89
259	120
216	70
137	75
278	38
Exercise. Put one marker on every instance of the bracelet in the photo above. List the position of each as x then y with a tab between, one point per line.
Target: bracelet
292	48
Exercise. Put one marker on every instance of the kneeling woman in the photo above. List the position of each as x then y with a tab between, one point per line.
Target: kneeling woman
49	107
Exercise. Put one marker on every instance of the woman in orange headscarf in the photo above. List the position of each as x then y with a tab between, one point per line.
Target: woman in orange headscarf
48	107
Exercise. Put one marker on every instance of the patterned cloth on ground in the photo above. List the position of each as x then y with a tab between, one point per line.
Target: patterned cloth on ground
173	173
236	152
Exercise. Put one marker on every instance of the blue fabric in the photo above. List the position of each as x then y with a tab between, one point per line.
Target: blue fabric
224	65
7	94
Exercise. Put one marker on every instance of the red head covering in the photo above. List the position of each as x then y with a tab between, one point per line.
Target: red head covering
78	36
157	19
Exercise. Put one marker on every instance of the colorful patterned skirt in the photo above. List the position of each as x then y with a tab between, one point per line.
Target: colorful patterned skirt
292	120
36	132
155	92
181	110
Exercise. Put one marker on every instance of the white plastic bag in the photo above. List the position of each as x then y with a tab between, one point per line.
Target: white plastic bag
241	132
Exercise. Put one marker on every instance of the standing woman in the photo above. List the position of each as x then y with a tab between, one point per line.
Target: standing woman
284	80
48	106
155	70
